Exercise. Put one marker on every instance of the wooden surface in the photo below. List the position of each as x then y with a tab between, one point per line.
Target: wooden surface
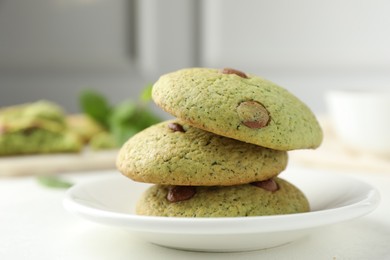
334	154
57	163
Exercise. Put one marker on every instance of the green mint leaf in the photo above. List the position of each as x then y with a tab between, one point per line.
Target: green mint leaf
120	121
129	118
144	118
123	112
122	133
96	106
53	182
146	94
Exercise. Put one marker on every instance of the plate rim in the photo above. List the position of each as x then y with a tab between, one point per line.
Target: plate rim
224	225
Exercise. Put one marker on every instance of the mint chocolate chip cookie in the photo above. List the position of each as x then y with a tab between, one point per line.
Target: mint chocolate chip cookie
33	128
238	105
272	197
176	153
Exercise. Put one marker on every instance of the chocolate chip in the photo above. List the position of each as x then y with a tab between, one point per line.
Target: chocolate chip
269	185
176	127
180	193
253	114
233	71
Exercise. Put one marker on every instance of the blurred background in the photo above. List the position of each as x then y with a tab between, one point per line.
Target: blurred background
53	49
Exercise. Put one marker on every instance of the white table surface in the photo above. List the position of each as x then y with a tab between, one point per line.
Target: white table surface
34	225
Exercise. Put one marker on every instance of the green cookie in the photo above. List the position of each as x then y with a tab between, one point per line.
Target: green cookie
37	127
224	201
176	153
240	106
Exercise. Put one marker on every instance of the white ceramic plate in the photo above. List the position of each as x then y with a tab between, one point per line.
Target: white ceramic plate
333	198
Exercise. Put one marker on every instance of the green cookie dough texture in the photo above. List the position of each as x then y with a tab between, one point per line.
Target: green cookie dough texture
161	155
208	99
37	127
225	201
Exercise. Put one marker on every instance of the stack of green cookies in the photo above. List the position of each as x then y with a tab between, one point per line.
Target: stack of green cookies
222	156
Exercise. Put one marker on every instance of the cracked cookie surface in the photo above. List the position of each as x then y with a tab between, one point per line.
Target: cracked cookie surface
175	153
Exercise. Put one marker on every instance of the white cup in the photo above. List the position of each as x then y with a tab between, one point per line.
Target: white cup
361	119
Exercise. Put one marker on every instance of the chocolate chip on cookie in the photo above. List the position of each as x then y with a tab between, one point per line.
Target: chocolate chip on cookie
180	193
176	127
253	114
269	185
234	71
